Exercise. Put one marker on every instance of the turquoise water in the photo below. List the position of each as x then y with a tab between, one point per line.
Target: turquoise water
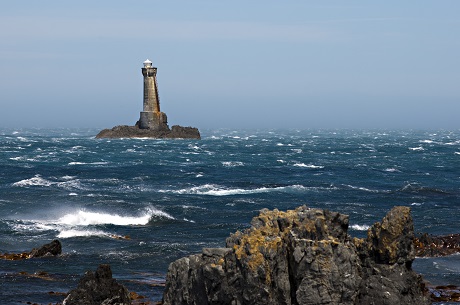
174	197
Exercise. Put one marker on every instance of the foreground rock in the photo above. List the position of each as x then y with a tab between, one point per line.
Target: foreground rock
124	131
98	288
436	246
303	256
54	248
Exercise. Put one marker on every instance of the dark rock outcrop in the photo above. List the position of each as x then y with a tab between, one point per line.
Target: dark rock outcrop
54	248
303	256
98	288
125	131
435	246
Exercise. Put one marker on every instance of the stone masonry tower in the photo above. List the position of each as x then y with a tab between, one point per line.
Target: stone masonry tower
151	116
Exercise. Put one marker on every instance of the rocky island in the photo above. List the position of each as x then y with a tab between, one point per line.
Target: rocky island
152	122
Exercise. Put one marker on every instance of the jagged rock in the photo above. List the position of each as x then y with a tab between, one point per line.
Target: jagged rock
303	256
125	131
52	249
98	288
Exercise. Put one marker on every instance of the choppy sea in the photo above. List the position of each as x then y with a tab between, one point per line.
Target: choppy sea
139	204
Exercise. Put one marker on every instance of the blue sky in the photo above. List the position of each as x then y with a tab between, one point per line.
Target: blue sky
238	64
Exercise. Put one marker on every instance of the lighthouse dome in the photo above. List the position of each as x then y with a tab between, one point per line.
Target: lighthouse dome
147	63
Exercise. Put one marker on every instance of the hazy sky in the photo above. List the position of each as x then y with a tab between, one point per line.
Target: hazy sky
249	64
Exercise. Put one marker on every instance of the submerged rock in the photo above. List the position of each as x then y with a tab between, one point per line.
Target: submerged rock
303	256
98	288
54	248
125	131
435	246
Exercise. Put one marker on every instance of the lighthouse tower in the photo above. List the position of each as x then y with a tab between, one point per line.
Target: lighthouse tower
151	116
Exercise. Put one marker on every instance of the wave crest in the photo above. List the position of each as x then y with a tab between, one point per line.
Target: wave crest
86	218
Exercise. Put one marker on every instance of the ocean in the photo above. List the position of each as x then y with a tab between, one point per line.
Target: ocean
139	204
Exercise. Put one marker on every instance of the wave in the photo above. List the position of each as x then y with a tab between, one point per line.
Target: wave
232	163
90	163
216	190
360	188
81	233
85	218
417	188
359	227
308	165
37	180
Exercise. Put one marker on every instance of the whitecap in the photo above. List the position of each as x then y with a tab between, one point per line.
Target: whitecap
37	180
281	161
361	188
279	144
426	141
199	175
457	152
391	170
416	148
308	165
91	163
69	233
359	227
215	190
85	218
297	150
232	163
73	194
17	158
416	203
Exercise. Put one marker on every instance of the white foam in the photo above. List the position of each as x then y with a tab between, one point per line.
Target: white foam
359	227
232	163
37	180
91	163
85	218
215	190
361	188
81	233
308	165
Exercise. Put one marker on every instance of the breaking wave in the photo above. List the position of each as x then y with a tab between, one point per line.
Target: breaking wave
359	227
37	180
308	165
216	190
85	218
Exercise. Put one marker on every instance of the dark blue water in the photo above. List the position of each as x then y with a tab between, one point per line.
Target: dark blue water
174	197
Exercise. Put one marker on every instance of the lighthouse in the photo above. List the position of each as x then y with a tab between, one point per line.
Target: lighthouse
151	117
152	123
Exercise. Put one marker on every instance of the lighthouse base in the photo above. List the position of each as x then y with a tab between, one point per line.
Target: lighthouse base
153	121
